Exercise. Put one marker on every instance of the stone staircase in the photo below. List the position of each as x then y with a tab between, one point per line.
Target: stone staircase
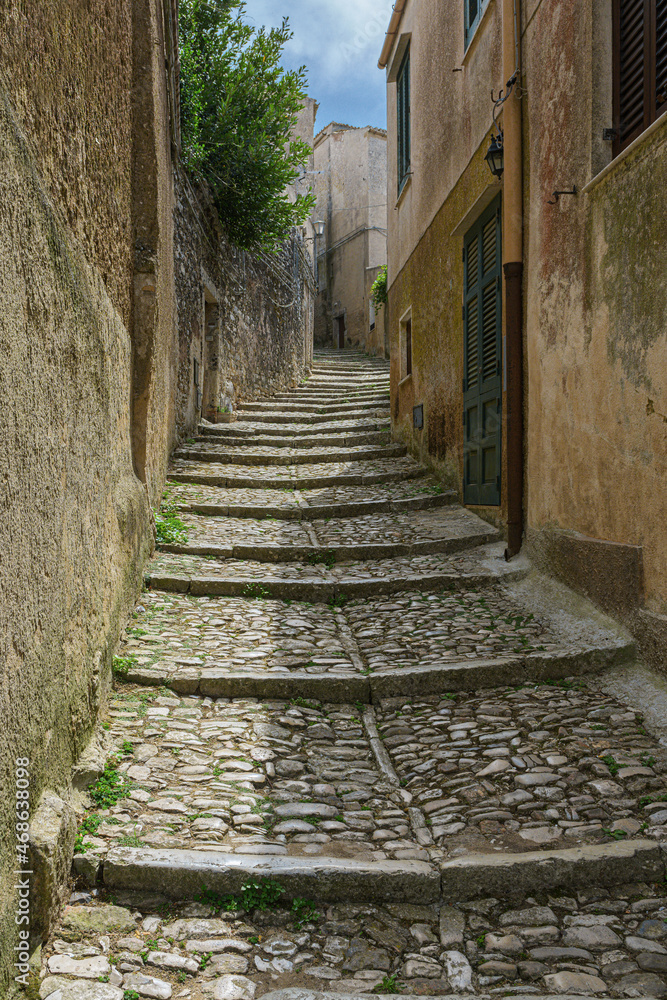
335	682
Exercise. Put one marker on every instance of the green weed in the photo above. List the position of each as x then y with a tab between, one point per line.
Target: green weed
110	786
89	824
169	528
389	984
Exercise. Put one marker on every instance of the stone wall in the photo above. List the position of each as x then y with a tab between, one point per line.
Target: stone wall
596	308
244	320
76	518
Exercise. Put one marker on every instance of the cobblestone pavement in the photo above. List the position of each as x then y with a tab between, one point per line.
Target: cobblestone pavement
412	493
309	476
316	580
438	530
361	580
610	942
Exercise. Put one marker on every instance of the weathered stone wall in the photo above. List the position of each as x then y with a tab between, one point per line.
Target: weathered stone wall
596	306
244	319
448	181
350	186
75	526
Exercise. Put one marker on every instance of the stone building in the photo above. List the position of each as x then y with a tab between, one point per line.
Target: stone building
350	184
528	309
114	274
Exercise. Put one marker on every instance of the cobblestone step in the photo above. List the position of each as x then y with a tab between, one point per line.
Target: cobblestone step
443	529
329	409
256	438
295	429
295	581
380	413
295	477
453	641
221	453
301	505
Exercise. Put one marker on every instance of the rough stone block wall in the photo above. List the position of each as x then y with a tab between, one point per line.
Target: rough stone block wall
75	526
256	341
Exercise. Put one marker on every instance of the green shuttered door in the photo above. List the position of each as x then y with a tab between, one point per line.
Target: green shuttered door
482	416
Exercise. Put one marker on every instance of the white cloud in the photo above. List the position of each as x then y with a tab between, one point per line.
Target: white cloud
339	41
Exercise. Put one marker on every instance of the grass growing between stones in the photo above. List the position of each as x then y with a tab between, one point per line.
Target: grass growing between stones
121	665
111	786
389	984
89	824
263	895
169	528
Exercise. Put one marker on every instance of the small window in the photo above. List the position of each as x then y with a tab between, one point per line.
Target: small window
371	315
406	346
403	124
473	15
640	67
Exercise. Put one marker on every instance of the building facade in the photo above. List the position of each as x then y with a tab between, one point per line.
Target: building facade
527	312
350	185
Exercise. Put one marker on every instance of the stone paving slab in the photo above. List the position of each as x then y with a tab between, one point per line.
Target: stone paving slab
199	575
264	455
542	766
444	529
308	477
332	501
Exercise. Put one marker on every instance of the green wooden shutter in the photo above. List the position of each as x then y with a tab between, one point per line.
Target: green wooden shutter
482	413
403	120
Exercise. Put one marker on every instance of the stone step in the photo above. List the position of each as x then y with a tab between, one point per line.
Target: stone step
246	431
306	505
263	455
443	529
371	648
330	409
258	439
321	584
297	477
329	396
181	874
297	420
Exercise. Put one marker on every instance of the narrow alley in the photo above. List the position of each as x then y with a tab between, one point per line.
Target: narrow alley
351	747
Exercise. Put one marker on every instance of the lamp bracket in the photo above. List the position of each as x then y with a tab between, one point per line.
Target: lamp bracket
556	195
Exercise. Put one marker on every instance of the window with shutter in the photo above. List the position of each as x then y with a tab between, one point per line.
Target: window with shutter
473	10
482	414
640	67
403	122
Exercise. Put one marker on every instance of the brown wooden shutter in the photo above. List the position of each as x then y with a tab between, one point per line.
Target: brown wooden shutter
629	70
660	57
640	67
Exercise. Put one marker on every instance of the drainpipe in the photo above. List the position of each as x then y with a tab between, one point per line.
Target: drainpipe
513	270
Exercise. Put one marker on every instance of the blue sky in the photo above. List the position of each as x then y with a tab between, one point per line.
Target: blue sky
339	41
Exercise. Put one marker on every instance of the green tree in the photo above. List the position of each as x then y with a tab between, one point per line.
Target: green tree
238	111
379	288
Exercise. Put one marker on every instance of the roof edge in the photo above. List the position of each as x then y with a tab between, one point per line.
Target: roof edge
392	32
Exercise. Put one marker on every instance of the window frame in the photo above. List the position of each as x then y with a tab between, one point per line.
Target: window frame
403	121
470	26
651	111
